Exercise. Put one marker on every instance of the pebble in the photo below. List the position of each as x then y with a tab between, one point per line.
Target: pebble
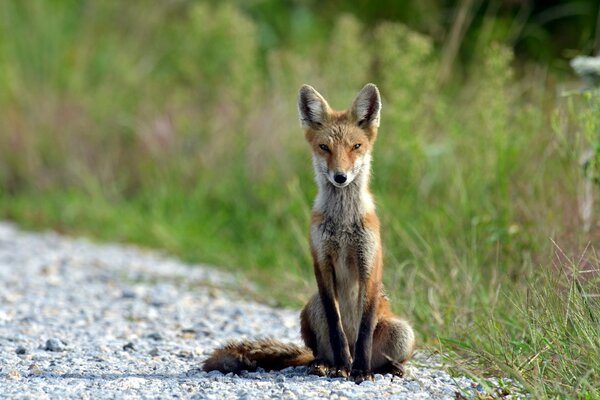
14	375
185	354
128	294
189	333
105	298
128	347
288	394
413	386
213	374
34	369
55	344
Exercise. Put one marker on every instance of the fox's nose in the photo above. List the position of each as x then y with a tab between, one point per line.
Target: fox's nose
340	177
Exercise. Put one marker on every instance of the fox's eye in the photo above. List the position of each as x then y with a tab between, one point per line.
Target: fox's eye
324	147
356	146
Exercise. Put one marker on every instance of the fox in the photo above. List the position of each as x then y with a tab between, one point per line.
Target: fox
347	326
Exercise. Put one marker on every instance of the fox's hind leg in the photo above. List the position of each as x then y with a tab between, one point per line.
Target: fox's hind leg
393	345
318	366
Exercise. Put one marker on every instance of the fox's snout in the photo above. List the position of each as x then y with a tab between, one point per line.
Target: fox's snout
340	177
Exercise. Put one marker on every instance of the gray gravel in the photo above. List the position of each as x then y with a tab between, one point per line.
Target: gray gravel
80	320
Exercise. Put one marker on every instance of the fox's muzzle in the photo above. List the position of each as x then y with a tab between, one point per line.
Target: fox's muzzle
340	177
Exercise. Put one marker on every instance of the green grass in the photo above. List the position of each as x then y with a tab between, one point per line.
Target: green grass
174	129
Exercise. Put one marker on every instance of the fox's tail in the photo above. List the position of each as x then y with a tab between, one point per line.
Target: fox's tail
252	354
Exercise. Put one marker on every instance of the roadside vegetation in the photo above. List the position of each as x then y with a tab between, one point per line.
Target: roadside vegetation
176	129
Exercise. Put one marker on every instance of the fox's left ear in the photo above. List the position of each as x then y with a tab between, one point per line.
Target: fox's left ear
367	106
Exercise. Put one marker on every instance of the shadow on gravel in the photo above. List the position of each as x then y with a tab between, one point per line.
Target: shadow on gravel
114	376
184	376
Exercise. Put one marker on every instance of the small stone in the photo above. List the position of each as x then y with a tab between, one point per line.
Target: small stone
128	294
366	383
14	375
410	372
280	378
21	350
55	344
188	334
132	383
379	377
195	371
129	347
412	386
338	394
185	354
34	369
154	352
155	336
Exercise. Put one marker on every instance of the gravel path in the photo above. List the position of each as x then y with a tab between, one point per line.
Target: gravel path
80	320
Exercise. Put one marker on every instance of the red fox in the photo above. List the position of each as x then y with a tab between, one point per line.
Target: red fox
347	326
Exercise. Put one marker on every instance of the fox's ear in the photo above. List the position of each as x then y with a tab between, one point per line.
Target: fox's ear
367	106
312	108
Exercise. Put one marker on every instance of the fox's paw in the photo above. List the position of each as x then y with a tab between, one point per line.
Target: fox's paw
393	367
397	369
360	376
319	368
342	372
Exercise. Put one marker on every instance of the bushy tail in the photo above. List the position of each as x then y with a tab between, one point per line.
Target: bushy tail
252	354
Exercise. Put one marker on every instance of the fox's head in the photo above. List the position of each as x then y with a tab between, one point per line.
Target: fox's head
341	140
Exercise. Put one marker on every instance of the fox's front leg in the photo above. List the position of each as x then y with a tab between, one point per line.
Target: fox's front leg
337	337
369	289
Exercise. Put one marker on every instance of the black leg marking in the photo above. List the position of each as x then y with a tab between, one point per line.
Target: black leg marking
339	342
361	368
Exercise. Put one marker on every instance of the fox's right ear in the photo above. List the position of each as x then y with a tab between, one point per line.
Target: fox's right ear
312	108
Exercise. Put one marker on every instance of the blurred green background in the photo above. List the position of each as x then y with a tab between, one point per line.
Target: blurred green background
172	124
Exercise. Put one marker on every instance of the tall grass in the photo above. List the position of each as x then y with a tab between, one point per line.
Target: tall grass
171	128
